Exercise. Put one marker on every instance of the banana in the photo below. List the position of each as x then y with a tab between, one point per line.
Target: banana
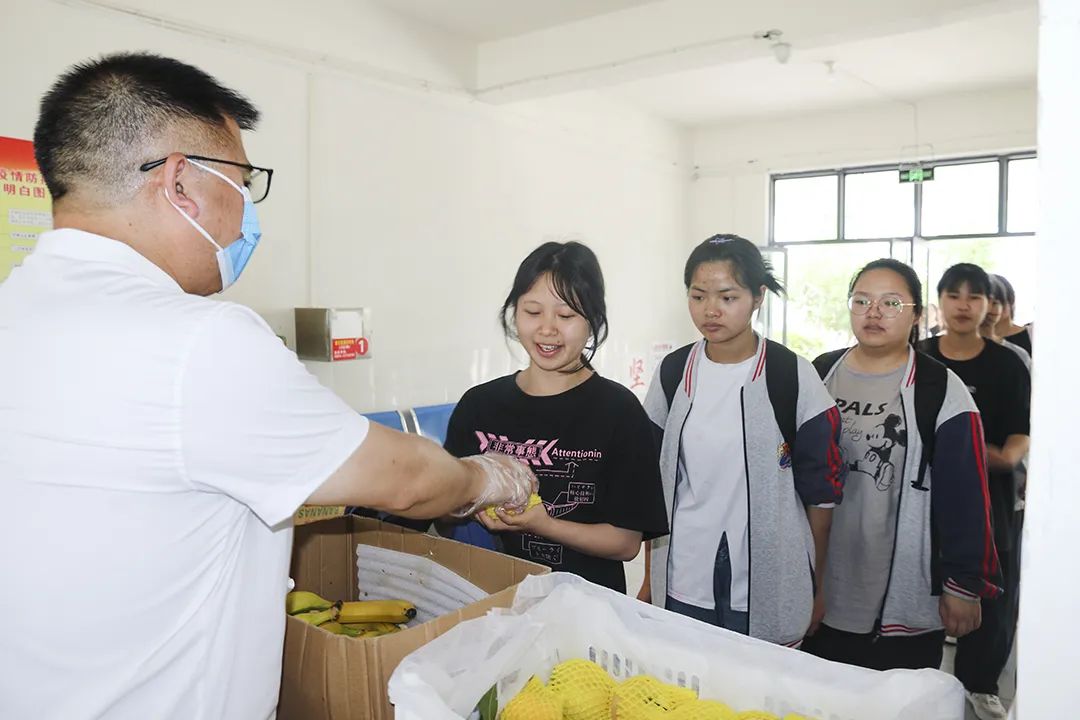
320	617
369	634
358	631
299	601
371	611
333	627
374	629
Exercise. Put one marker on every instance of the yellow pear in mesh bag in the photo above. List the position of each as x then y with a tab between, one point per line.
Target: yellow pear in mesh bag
756	715
644	698
585	689
702	710
535	702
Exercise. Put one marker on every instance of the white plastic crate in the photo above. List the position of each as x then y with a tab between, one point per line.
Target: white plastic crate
559	616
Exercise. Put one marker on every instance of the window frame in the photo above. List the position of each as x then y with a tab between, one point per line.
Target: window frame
841	174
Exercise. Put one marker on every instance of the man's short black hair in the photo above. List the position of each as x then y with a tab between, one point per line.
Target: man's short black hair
105	117
958	275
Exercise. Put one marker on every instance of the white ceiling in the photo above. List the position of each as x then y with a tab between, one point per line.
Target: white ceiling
988	51
485	20
881	49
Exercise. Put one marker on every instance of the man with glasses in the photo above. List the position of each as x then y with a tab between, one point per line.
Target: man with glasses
155	443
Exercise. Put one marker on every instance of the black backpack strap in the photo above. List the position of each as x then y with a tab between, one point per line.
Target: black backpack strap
931	384
782	382
672	368
824	363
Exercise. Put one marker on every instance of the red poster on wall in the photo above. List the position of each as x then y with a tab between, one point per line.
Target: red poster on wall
25	204
350	348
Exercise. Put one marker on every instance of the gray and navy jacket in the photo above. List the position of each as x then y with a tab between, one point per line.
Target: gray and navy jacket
944	539
780	485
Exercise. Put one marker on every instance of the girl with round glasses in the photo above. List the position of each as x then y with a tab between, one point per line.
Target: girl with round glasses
898	576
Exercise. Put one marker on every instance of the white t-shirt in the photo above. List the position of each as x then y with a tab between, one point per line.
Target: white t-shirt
711	492
153	448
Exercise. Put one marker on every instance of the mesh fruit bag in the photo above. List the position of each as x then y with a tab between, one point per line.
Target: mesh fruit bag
646	698
702	710
535	702
585	689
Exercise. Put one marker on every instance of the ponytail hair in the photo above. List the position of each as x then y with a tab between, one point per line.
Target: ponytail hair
749	267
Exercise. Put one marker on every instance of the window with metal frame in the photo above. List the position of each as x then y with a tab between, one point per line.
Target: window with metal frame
825	224
984	196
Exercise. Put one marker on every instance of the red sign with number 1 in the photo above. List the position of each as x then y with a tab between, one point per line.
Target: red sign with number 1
350	348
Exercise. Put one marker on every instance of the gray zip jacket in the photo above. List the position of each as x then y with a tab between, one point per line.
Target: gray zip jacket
781	484
944	541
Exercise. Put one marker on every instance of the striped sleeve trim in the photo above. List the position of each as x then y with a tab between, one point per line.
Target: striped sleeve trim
897	629
990	560
952	588
834	458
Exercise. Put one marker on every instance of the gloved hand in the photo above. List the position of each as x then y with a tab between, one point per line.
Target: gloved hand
508	482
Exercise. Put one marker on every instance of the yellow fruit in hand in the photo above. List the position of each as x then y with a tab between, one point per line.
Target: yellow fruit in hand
534	500
585	689
535	702
644	697
702	710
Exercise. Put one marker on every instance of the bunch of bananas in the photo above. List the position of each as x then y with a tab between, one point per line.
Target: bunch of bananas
582	690
534	500
358	619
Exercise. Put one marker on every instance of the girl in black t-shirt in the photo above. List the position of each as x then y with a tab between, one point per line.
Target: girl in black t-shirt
587	438
1006	327
1000	386
997	298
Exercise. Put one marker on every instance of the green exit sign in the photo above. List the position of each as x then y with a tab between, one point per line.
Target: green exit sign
916	175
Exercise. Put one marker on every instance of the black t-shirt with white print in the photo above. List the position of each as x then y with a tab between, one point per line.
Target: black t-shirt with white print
593	451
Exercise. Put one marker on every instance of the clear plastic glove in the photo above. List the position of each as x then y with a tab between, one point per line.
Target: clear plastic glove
509	483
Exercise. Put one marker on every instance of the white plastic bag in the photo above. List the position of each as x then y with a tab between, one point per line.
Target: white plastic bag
559	616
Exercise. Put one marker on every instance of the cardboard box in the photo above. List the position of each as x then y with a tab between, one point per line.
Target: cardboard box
326	676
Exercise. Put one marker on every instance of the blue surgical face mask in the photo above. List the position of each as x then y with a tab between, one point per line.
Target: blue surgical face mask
234	257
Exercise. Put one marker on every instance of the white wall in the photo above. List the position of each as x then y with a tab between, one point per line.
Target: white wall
484	187
417	204
1048	651
734	162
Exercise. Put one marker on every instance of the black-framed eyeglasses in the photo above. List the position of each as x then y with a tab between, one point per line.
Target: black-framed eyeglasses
256	179
888	306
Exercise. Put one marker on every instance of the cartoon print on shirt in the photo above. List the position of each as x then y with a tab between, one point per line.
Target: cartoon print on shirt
877	462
